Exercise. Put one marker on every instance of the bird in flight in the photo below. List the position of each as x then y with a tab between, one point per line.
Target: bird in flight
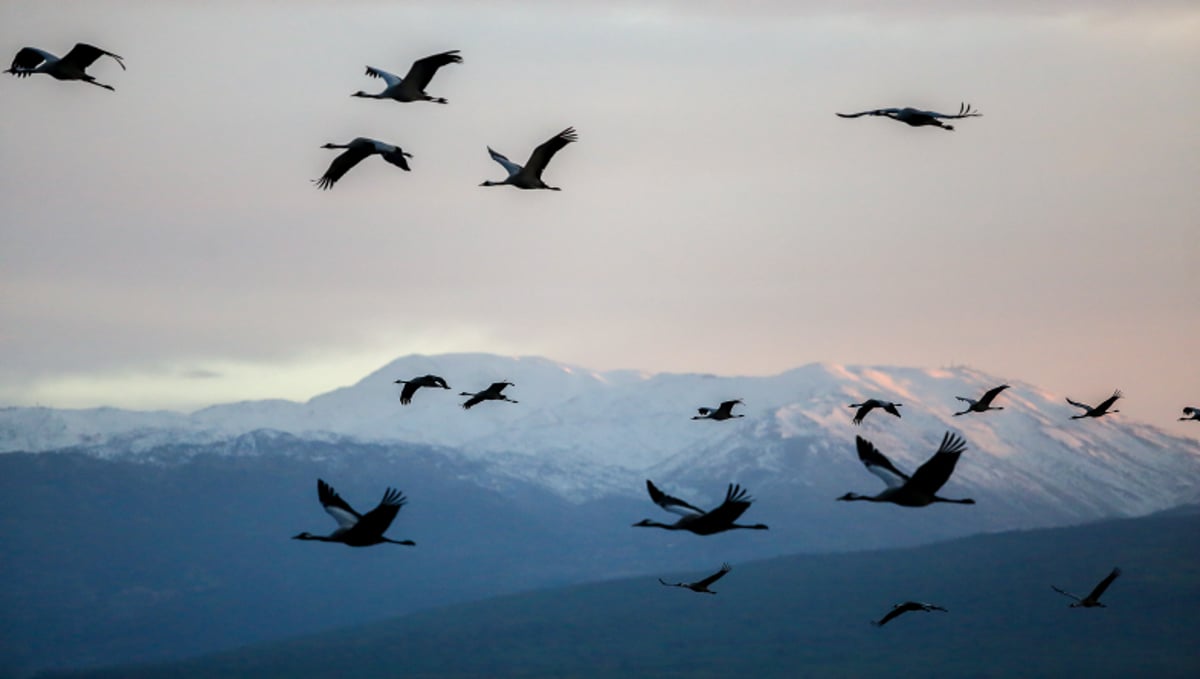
354	529
871	404
530	176
917	117
901	609
917	490
1100	410
698	521
700	586
411	386
1092	600
721	412
356	151
412	86
492	393
73	66
984	403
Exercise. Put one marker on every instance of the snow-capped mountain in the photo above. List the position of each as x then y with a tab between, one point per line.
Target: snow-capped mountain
584	433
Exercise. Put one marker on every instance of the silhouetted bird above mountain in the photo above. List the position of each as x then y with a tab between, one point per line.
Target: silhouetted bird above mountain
901	609
354	529
984	403
530	176
917	490
696	520
356	151
412	86
411	386
492	393
1100	410
73	66
918	118
1191	413
721	412
871	404
700	585
1092	600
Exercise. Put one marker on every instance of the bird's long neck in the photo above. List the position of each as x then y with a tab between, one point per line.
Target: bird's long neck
757	526
654	524
850	497
964	501
408	543
367	95
319	538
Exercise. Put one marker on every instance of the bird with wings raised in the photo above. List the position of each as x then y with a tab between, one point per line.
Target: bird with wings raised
1092	600
529	176
984	403
72	66
917	490
721	412
1098	411
412	86
356	151
698	521
918	118
354	529
700	586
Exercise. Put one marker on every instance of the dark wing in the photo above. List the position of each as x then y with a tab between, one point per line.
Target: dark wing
497	387
1107	403
873	112
737	501
879	465
84	55
423	69
727	406
1189	411
28	58
704	411
473	401
1095	595
376	521
435	381
714	577
932	475
964	111
333	503
894	613
670	503
891	408
1064	593
342	164
541	155
990	394
1077	404
397	158
406	394
866	407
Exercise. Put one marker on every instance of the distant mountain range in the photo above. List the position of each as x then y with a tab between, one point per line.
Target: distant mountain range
798	616
148	536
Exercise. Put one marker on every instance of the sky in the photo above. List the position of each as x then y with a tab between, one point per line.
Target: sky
161	246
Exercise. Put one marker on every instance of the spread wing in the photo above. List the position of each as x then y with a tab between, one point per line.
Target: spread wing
737	501
407	392
27	59
896	612
473	401
376	521
333	503
863	409
873	112
509	166
670	503
1108	402
1077	404
879	465
727	406
422	70
932	475
84	55
542	154
891	408
714	577
990	394
342	164
1064	593
1104	584
964	111
391	79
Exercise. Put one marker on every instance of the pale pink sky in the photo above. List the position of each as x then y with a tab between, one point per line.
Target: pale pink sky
161	246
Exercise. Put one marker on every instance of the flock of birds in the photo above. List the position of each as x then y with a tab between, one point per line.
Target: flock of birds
362	530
